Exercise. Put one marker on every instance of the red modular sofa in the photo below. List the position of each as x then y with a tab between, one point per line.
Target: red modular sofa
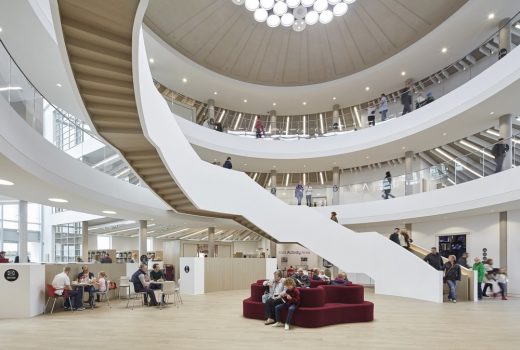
321	306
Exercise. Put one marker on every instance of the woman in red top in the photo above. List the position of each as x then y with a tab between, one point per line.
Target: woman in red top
291	301
259	129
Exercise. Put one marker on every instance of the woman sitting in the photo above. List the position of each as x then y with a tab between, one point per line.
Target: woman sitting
100	286
323	276
341	280
272	297
291	300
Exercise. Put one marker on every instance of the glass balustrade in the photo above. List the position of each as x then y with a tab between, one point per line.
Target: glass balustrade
63	130
453	171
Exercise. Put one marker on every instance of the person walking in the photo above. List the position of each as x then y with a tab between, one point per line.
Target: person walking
451	276
383	107
209	123
394	237
308	195
387	186
334	216
406	100
259	129
481	271
488	277
228	164
463	260
499	151
298	192
434	259
404	239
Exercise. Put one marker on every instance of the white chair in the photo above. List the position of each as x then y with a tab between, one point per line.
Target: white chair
177	294
105	294
124	283
135	296
168	288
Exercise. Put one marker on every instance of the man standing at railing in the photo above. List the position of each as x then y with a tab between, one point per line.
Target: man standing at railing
499	151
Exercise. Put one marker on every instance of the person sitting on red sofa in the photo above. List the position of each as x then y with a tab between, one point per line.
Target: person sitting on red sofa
290	271
341	280
272	297
291	301
323	276
302	280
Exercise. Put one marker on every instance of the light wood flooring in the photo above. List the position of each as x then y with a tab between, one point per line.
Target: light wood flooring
214	321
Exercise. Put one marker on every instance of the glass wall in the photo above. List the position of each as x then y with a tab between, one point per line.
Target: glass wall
68	242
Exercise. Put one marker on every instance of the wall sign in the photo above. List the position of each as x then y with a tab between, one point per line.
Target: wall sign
11	275
187	269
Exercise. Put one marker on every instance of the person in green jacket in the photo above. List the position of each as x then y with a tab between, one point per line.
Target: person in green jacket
481	271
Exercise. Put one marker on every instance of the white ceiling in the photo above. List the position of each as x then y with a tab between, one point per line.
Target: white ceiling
465	30
225	38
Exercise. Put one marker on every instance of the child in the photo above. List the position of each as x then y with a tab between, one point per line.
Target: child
291	301
100	286
481	271
502	282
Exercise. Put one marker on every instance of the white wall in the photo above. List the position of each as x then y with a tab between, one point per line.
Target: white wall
513	251
294	252
246	247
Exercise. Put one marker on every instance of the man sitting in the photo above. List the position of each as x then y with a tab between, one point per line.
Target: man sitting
272	297
61	282
302	281
316	275
156	275
3	259
323	276
341	280
142	285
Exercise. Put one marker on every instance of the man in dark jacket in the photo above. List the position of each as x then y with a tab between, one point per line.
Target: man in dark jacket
434	259
394	237
227	163
499	151
142	285
301	279
406	100
463	260
451	276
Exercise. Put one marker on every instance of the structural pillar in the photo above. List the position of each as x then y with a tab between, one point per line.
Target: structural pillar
22	231
272	121
211	242
335	118
211	109
503	239
408	162
335	185
272	249
143	226
273	182
84	236
505	129
408	228
504	41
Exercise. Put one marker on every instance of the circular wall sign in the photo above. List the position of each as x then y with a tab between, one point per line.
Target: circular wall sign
186	269
11	275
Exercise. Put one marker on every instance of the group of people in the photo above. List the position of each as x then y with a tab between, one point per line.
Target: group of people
89	284
282	293
488	277
401	237
406	101
210	124
147	283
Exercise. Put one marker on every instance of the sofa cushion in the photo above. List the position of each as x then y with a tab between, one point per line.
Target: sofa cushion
315	284
257	290
353	294
312	297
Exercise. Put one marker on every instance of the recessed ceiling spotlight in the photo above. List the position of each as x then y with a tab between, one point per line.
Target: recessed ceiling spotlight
274	166
334	163
367	88
333	99
245	101
274	103
305	166
1	29
184	80
110	212
151	60
58	85
304	103
403	73
444	50
245	164
215	93
6	183
58	200
491	15
491	113
367	157
517	26
444	134
404	147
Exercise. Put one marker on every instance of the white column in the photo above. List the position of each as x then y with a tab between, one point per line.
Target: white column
22	231
335	116
504	38
211	242
335	186
505	129
272	249
272	121
143	225
273	182
84	236
408	161
211	109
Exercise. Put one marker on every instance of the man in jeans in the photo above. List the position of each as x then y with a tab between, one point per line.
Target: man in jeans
142	285
499	151
451	276
61	282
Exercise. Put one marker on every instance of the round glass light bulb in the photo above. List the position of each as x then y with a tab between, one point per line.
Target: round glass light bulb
267	4
287	20
261	15
299	25
320	5
308	3
293	3
300	12
326	16
273	21
349	1
334	2
280	8
238	2
312	18
340	9
252	5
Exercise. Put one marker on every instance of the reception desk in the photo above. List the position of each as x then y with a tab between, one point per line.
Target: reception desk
205	275
22	290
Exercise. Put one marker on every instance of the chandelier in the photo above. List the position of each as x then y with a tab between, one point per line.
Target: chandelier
295	13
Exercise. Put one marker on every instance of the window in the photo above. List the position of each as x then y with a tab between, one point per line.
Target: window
149	244
103	242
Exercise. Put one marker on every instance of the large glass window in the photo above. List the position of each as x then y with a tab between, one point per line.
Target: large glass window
103	242
67	240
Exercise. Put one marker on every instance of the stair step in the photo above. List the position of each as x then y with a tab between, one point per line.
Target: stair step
77	48
172	190
117	122
103	84
146	163
88	33
95	96
84	66
173	197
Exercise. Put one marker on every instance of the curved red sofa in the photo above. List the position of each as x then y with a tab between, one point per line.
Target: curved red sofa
321	306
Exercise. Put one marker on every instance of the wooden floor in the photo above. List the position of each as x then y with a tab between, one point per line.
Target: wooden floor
214	321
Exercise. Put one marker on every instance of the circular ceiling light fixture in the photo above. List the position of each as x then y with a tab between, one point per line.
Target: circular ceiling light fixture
297	14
